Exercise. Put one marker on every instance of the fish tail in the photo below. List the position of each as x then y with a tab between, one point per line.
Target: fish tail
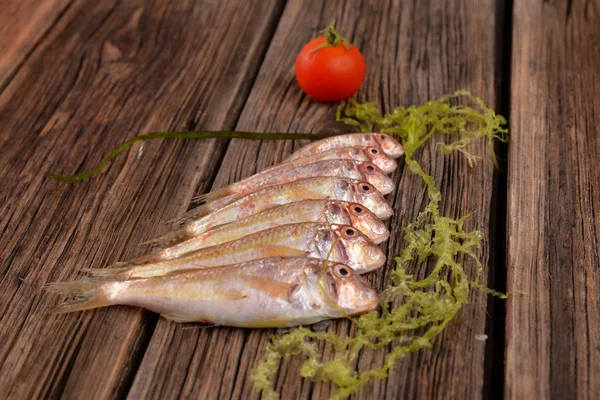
109	273
172	238
145	259
214	195
197	212
193	214
88	295
120	264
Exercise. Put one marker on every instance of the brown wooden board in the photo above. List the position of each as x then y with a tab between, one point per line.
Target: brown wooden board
553	345
415	51
106	72
23	24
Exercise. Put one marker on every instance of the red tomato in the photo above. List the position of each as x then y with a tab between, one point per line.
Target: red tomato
332	72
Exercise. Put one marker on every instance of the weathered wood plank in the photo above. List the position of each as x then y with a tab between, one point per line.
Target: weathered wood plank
111	70
23	23
415	51
553	347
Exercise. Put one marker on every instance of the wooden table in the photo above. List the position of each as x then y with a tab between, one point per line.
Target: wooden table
79	77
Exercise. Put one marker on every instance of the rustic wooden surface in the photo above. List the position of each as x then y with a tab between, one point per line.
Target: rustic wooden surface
78	77
108	71
231	353
552	333
24	24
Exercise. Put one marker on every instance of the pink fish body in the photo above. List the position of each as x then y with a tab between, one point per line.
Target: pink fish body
272	292
321	188
359	170
387	143
338	243
325	211
373	155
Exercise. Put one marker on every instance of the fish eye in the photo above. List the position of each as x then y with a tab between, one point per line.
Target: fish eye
349	233
342	271
374	151
365	188
382	137
358	209
370	167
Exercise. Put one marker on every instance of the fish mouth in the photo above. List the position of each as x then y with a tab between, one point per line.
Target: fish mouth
394	150
373	304
384	211
378	233
387	165
376	204
379	228
366	257
375	259
374	230
391	146
392	165
370	305
387	186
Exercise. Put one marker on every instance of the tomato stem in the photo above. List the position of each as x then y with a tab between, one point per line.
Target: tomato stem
334	38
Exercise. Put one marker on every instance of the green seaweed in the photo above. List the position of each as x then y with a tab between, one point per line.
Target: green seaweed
182	135
413	311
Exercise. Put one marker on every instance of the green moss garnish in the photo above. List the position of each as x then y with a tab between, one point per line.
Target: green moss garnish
181	135
413	311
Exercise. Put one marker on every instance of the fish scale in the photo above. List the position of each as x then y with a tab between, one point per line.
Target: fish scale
322	188
271	292
325	211
373	155
310	239
388	144
339	168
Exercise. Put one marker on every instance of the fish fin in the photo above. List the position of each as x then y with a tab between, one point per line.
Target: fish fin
275	289
89	295
130	272
186	217
172	238
214	195
145	259
321	326
190	215
120	264
175	318
283	251
292	291
182	271
109	273
199	325
316	195
275	322
194	213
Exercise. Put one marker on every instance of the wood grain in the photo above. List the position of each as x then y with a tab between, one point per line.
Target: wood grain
23	24
106	72
553	346
415	51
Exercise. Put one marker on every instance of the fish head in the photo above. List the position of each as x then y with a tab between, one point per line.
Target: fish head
354	248
366	222
375	176
336	213
349	168
389	145
379	158
357	215
364	193
350	293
